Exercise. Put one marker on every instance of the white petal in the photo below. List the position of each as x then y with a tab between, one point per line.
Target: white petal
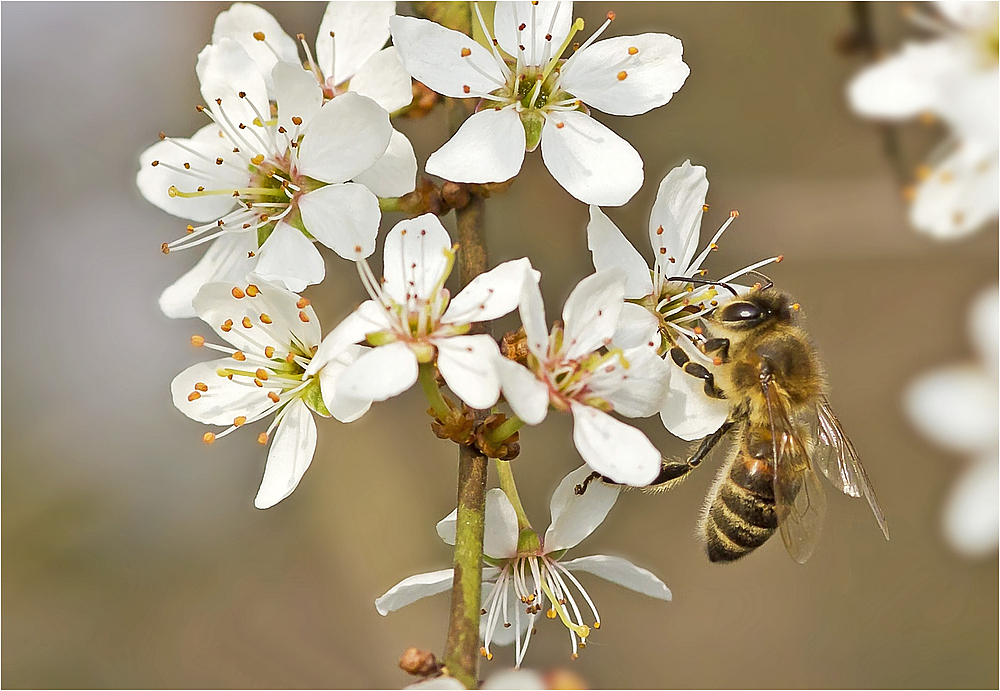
960	195
969	14
488	147
608	76
532	311
515	678
501	635
905	84
380	373
641	387
539	19
613	448
415	257
226	260
432	54
612	249
446	527
956	407
591	312
225	71
675	221
217	306
287	256
687	412
984	325
383	80
622	572
346	137
636	327
575	516
290	455
467	364
527	396
360	28
343	217
241	21
154	182
590	161
297	93
395	173
224	401
368	318
414	588
491	295
500	525
343	408
442	682
972	512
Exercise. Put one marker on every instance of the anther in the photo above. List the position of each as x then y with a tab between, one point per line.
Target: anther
611	16
261	373
796	306
482	650
165	248
522	27
718	361
466	89
208	437
227	325
247	323
296	120
551	614
257	160
194	396
239	356
713	247
262	438
197	341
189	229
303	317
264	318
574	656
269	352
548	37
201	386
698	330
187	166
466	52
259	383
633	50
704	207
734	213
218	161
238	293
253	290
239	420
155	163
659	230
663	250
259	35
275	398
622	75
302	303
560	125
780	259
242	94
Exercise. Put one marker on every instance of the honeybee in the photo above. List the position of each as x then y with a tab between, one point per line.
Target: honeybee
782	427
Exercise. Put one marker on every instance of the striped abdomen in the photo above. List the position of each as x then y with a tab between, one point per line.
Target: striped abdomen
741	515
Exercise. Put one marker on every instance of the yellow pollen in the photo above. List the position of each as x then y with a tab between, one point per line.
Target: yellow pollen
551	614
489	656
633	50
262	438
796	306
713	247
264	319
194	396
269	352
704	207
239	420
303	317
716	361
290	358
257	160
698	330
247	323
237	293
622	75
482	651
208	437
197	341
597	624
239	356
275	398
165	248
296	120
923	172
189	229
261	374
259	35
253	291
201	386
466	52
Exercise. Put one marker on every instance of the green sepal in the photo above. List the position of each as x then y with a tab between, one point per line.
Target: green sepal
533	122
313	398
528	542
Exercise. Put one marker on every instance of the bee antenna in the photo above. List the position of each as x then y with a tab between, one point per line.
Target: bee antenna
769	284
702	282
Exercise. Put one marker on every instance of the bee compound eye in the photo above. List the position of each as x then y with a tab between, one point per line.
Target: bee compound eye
741	312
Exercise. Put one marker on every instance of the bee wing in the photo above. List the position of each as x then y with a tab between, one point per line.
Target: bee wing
798	494
835	456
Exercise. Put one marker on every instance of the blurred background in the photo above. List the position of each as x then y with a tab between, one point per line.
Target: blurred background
132	554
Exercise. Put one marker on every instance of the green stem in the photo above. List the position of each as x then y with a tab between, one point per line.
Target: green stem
386	204
428	382
510	489
505	430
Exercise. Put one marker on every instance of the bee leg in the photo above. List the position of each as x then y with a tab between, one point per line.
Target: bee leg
672	472
682	360
719	346
582	487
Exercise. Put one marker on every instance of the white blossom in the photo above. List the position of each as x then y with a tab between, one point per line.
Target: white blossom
412	319
533	96
272	335
525	575
575	370
957	407
661	313
954	78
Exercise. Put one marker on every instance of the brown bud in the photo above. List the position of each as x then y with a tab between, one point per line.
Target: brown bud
419	663
514	346
455	195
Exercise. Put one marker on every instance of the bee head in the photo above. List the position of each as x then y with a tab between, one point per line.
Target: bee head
754	309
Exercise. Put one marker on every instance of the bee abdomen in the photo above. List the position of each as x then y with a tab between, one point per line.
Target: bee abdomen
741	516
